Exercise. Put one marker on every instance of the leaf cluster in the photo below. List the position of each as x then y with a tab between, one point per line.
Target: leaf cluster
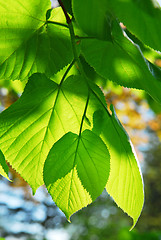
61	132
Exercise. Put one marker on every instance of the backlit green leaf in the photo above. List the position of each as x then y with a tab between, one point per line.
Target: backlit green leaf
42	115
122	62
3	166
27	43
76	171
141	17
92	17
125	183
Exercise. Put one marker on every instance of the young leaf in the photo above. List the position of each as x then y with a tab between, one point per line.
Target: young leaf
42	115
29	44
76	171
142	18
122	62
92	17
3	166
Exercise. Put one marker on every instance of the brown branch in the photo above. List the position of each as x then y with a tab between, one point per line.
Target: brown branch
65	12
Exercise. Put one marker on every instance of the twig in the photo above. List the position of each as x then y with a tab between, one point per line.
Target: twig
65	12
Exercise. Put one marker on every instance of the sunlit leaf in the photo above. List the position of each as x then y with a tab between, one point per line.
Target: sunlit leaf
95	21
42	115
29	44
141	17
76	171
3	166
122	62
125	183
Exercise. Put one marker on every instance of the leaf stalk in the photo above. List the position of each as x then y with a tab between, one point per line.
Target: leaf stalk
58	23
68	19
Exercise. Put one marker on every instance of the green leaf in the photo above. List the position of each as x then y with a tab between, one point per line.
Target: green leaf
155	107
121	61
76	171
3	166
57	16
42	115
29	44
45	112
125	183
92	17
141	17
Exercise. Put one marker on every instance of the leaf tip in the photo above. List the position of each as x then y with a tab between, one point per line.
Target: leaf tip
67	215
69	220
134	223
10	180
34	189
7	177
